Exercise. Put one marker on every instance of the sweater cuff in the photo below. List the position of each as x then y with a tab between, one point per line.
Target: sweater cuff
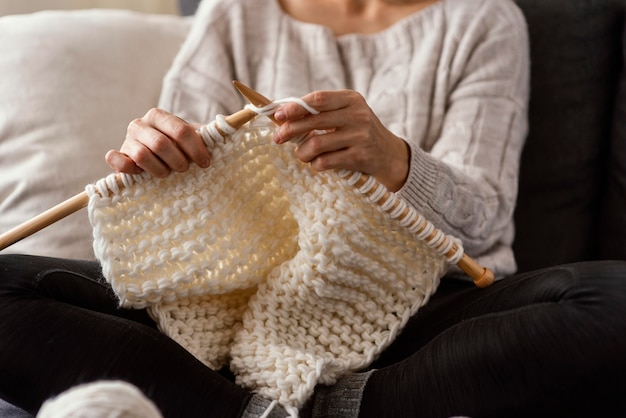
419	189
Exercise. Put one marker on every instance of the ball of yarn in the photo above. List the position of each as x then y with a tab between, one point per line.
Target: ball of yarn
102	399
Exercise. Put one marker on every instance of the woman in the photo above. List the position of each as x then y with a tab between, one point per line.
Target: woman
430	98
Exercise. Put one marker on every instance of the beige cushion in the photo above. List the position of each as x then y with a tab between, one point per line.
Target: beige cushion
70	83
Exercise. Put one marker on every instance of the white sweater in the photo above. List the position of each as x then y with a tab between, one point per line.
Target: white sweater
451	79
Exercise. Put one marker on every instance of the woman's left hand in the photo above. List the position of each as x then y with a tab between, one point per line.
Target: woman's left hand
353	137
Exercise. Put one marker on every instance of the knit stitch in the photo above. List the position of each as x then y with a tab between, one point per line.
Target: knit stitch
451	80
288	275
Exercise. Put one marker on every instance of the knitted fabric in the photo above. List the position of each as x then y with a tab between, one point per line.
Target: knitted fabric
103	399
290	276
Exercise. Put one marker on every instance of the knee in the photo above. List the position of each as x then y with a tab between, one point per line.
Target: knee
599	280
593	292
16	272
599	292
587	281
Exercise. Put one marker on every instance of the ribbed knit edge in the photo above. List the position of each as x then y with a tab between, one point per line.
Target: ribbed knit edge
341	400
419	188
258	405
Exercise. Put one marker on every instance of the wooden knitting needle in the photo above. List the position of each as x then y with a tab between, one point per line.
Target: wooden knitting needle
79	201
254	97
481	276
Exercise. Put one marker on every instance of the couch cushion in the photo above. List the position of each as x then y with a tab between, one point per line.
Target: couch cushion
575	62
71	82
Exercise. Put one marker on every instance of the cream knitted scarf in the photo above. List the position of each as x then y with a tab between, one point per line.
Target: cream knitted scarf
290	276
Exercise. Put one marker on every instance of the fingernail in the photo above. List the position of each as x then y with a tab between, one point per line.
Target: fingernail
277	138
279	115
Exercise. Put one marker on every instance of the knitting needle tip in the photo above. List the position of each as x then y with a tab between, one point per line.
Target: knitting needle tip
254	97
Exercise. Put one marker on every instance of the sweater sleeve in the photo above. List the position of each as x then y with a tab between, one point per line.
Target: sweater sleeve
467	183
198	85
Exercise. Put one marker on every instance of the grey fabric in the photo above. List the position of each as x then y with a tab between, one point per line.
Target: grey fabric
259	405
9	411
341	400
575	64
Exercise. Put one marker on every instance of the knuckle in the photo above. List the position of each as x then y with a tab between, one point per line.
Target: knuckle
154	113
315	144
135	124
318	99
322	163
362	137
361	116
314	120
181	130
358	153
319	163
159	143
286	130
141	156
301	154
355	96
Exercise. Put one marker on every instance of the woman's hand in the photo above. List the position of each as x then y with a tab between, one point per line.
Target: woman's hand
158	143
354	137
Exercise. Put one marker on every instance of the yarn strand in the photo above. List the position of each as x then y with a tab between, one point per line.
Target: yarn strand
289	276
448	246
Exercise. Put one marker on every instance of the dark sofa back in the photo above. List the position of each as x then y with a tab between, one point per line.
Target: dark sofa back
572	198
572	195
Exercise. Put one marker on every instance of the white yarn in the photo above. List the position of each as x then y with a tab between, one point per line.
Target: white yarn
268	110
269	409
289	275
103	399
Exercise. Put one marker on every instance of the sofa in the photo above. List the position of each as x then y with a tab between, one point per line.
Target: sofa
72	80
572	191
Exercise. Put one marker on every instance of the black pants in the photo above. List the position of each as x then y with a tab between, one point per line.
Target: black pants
547	343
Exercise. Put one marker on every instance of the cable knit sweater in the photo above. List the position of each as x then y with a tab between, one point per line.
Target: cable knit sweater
451	79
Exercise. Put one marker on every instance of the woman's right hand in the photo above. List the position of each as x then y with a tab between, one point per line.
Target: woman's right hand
159	143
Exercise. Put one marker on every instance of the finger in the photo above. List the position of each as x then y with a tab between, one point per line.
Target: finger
143	139
316	144
187	139
333	160
334	120
121	162
296	129
181	134
322	101
145	158
333	105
